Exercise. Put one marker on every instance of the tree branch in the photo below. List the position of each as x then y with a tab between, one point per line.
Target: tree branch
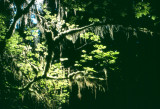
84	45
26	87
35	69
58	37
18	15
30	83
55	78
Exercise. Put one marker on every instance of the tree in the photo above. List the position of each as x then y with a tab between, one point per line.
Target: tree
38	59
31	58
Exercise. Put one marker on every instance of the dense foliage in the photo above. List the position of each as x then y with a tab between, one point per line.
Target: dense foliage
52	50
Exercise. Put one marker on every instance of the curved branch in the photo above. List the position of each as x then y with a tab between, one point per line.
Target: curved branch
18	15
84	45
30	83
72	31
55	78
26	87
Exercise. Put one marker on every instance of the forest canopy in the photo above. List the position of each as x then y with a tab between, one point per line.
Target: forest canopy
53	48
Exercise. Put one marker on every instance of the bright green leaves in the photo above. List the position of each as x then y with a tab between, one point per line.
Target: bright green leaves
71	26
86	57
54	90
142	9
48	15
51	20
90	36
153	17
93	20
56	70
26	52
21	54
93	63
29	57
77	63
89	69
40	47
29	38
79	9
98	55
99	46
76	5
13	45
2	27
